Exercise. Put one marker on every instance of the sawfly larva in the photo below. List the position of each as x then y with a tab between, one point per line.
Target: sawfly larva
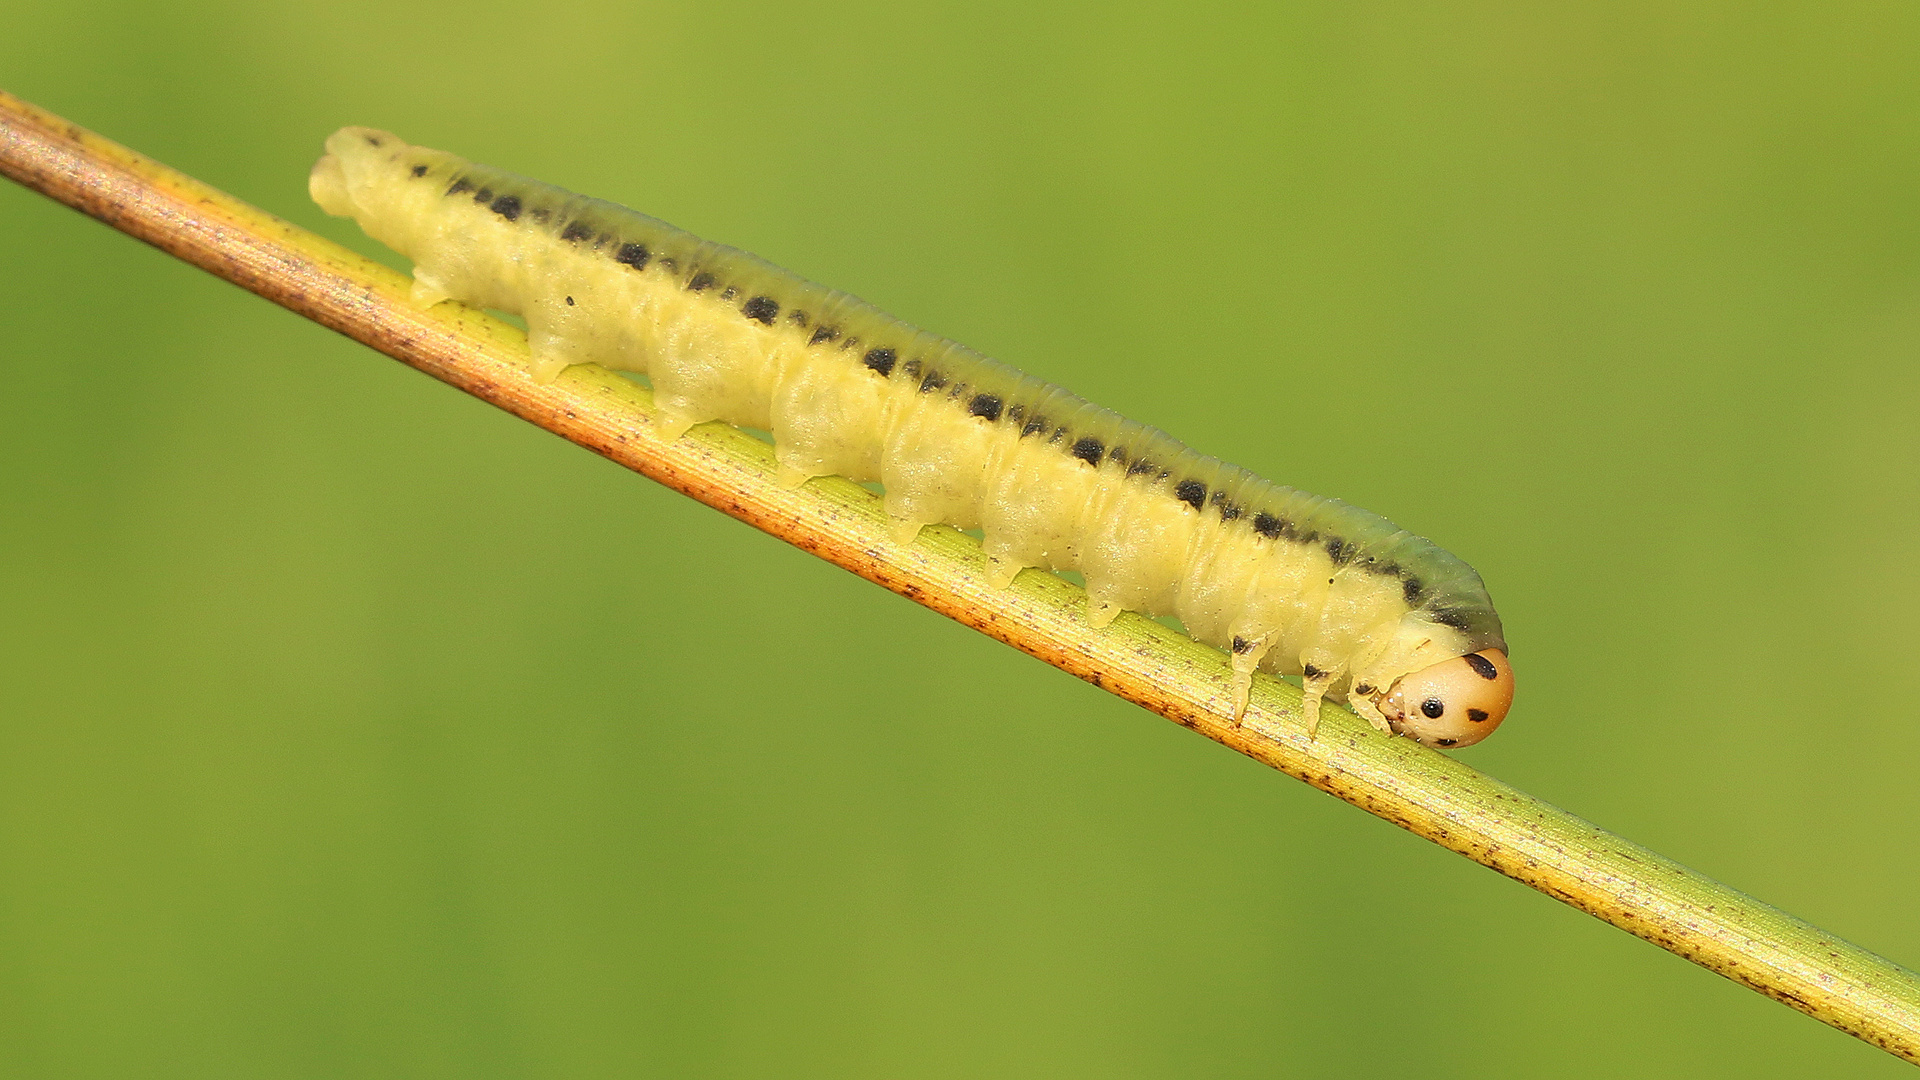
1285	581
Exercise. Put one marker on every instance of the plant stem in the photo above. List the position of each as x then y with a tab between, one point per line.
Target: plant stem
1418	789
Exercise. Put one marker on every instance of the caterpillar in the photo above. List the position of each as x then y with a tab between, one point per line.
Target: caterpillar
1293	583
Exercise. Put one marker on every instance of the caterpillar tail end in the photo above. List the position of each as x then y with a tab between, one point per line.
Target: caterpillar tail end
327	185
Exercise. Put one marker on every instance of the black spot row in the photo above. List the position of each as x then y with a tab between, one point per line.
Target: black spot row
883	361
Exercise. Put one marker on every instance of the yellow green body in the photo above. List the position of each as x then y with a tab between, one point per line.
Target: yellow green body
1286	581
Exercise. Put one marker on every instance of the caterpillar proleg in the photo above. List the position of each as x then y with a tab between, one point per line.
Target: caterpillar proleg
1288	582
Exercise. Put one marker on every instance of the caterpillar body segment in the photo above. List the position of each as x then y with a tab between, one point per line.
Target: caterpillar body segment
1285	581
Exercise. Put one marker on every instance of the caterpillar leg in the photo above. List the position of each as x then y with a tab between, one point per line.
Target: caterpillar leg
548	367
904	531
1101	614
1363	704
1313	687
427	290
1105	602
788	477
1247	654
1310	700
669	423
553	351
1001	572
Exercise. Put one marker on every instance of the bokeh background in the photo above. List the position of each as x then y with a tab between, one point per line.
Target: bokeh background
349	728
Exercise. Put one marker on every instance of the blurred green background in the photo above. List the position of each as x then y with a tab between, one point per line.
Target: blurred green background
349	728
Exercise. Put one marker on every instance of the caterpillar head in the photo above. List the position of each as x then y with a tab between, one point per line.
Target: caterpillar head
1456	702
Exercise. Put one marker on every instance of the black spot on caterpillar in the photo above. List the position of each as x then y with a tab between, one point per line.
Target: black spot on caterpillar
1290	582
634	255
761	309
1338	551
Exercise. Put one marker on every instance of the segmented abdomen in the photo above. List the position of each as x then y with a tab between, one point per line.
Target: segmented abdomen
1294	581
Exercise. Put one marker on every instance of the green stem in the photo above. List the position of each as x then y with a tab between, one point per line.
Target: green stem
1420	790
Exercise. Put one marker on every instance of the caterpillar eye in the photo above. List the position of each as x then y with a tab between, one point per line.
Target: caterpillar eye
1456	702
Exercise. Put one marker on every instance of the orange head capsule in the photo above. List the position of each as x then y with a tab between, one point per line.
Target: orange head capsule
1456	702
